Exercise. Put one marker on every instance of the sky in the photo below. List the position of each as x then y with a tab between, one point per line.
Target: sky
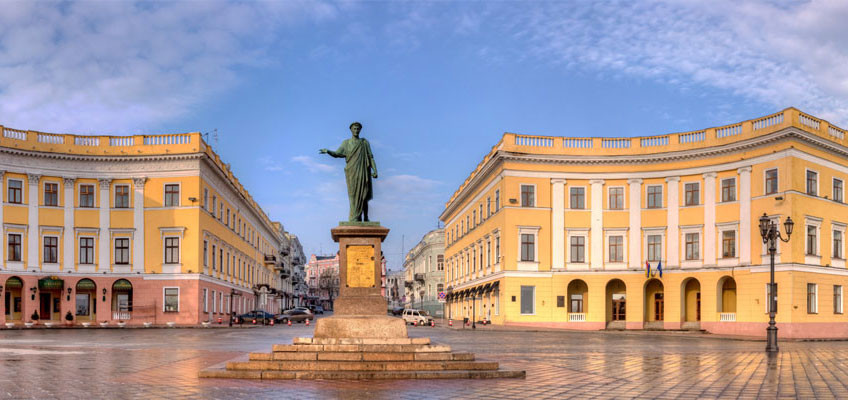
435	84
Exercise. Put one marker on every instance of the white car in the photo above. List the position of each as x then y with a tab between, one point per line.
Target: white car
418	317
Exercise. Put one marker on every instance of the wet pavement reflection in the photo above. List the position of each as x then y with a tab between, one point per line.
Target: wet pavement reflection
163	363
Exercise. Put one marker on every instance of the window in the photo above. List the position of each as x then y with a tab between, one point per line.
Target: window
728	189
474	218
83	304
205	300
811	240
86	197
172	195
14	252
772	298
616	198
692	192
654	196
812	302
728	244
576	303
837	299
86	250
205	199
481	213
577	198
172	300
228	218
51	194
528	252
812	183
837	244
616	248
560	301
837	190
527	196
14	194
214	205
771	181
497	249
692	246
122	196
440	262
654	247
528	303
51	249
488	207
497	200
122	251
214	268
172	250
578	249
205	253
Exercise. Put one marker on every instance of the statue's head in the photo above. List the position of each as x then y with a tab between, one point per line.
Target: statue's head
355	128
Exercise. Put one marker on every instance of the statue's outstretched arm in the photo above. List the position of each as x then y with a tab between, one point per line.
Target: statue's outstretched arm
337	154
371	161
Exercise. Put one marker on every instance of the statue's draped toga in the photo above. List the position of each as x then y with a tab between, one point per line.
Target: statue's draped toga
359	170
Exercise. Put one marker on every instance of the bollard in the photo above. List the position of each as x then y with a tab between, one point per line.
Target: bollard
450	322
414	323
307	322
254	321
272	322
220	320
432	323
289	322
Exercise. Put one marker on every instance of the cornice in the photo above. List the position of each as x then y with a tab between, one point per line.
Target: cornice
82	157
652	158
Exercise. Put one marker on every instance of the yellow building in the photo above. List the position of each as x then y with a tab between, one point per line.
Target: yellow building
129	229
556	231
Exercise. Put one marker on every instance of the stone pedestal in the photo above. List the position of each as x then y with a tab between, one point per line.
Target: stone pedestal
360	309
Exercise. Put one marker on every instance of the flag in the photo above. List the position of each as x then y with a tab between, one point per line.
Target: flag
659	268
647	269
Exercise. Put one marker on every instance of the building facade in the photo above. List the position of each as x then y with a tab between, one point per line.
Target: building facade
132	229
295	272
554	231
424	273
322	279
395	294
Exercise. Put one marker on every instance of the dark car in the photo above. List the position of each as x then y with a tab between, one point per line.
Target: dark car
296	315
261	317
396	311
317	310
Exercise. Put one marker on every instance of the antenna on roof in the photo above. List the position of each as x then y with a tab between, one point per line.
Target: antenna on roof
213	134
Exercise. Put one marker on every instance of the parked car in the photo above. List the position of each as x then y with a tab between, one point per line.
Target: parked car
419	317
295	315
317	310
396	311
260	316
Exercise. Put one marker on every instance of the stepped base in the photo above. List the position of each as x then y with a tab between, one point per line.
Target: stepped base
360	326
360	358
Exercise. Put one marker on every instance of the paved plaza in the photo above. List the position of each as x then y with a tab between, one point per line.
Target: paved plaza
163	363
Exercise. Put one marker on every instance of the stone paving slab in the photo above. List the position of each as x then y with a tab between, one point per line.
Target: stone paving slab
164	363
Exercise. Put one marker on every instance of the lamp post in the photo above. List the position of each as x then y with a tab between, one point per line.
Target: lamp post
771	233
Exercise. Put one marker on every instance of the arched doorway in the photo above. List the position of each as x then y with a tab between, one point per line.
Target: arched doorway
726	299
86	301
654	304
12	296
616	301
578	296
691	293
122	291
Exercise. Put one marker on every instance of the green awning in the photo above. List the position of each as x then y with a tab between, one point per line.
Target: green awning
86	284
14	283
122	285
51	284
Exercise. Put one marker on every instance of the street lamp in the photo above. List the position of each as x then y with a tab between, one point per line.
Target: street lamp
770	233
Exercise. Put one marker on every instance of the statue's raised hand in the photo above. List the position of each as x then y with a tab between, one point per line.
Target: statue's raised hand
374	174
323	151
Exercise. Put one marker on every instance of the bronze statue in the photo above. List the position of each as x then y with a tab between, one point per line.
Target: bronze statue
359	169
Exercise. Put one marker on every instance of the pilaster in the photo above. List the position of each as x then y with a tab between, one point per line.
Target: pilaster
32	221
68	248
709	219
558	223
744	215
138	224
105	239
634	253
597	224
673	221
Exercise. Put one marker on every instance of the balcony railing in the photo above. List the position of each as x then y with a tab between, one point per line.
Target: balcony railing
419	277
121	315
727	317
576	317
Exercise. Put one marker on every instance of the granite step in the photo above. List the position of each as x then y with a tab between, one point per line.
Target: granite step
360	365
349	375
363	348
308	340
365	356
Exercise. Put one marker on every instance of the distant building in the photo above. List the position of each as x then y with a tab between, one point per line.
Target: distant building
395	289
424	273
322	280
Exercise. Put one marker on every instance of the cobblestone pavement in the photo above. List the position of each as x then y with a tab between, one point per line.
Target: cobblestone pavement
163	363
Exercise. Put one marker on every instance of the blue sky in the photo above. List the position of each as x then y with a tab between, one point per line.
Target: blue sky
434	83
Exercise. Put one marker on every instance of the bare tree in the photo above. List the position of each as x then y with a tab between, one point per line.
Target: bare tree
329	282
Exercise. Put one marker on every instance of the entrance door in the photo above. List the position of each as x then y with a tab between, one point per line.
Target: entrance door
658	307
44	306
618	307
698	304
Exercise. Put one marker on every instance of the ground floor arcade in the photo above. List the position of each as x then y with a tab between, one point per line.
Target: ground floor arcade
83	299
728	301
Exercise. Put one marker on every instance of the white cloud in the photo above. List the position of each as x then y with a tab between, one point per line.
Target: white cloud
782	54
119	67
313	165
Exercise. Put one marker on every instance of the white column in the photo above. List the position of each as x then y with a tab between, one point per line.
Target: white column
138	224
32	221
68	247
634	254
709	219
105	240
744	215
558	224
2	234
673	221
597	224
